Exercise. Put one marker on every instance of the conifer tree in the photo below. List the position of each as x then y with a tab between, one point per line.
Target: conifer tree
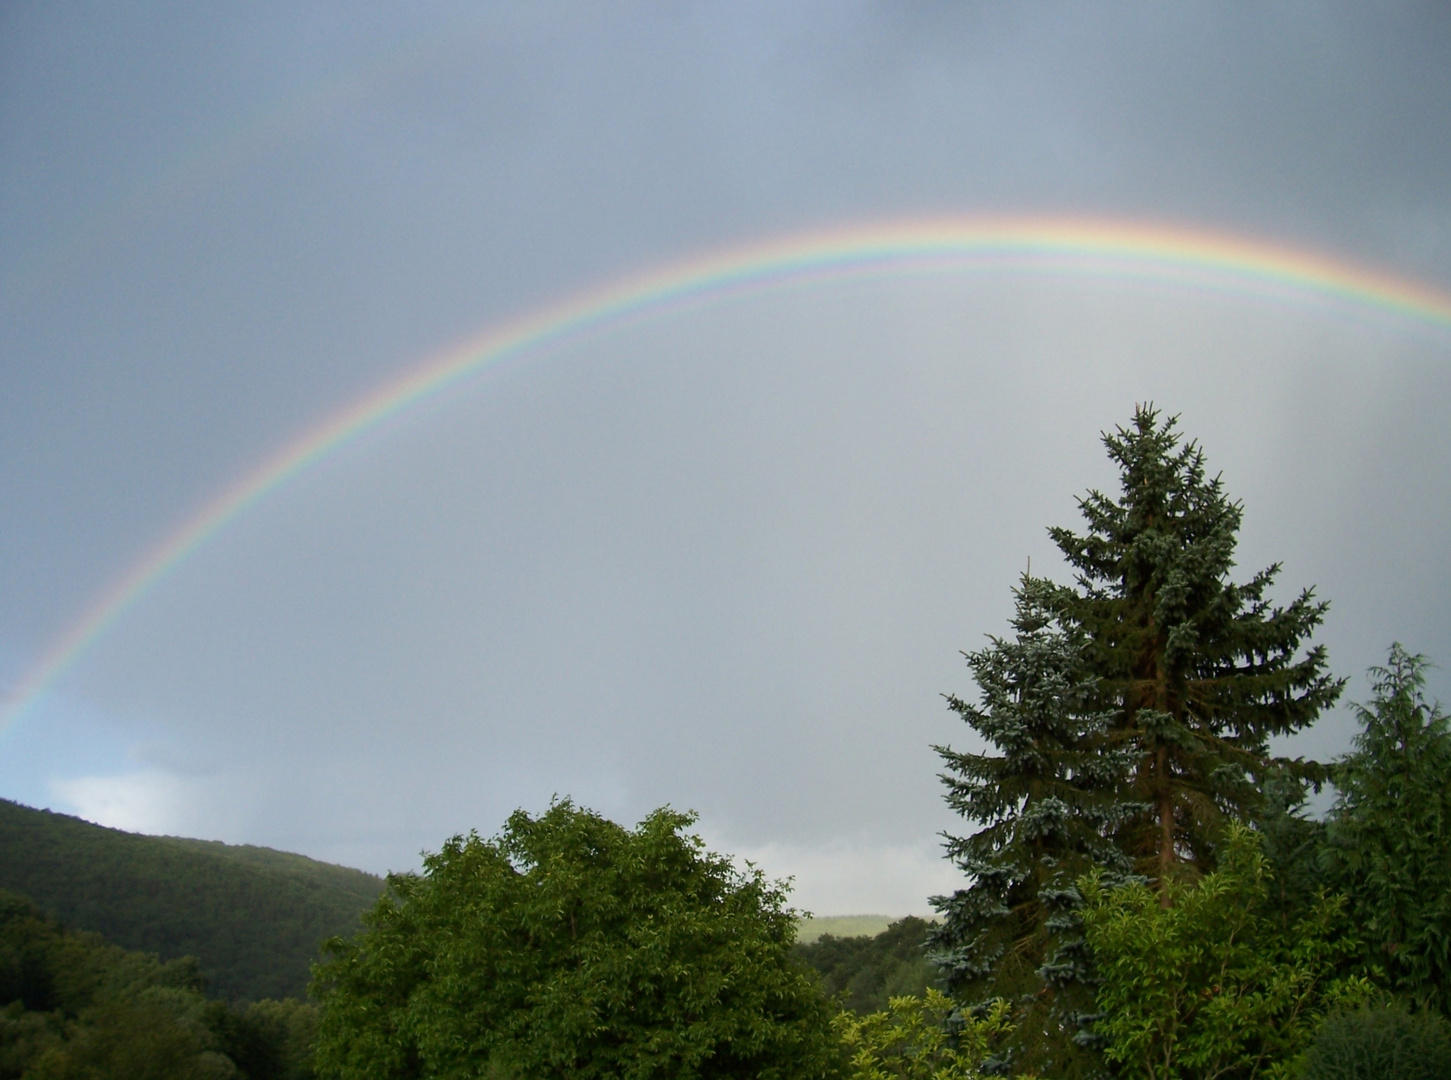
1048	800
1198	672
1390	832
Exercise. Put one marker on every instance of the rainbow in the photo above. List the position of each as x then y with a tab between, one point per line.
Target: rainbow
1065	246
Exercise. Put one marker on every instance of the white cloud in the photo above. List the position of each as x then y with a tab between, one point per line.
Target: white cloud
858	877
152	800
149	802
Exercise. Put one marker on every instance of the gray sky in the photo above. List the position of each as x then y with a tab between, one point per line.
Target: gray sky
726	560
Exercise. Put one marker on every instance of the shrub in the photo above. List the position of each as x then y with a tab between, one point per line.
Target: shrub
1380	1044
920	1038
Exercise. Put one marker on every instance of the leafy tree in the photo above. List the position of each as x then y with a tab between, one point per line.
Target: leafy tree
920	1038
1390	832
282	1035
569	946
1214	986
1048	800
1199	672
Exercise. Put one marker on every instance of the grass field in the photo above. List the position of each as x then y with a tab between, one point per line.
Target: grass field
844	926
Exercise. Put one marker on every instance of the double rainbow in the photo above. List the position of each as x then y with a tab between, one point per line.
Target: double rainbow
1064	246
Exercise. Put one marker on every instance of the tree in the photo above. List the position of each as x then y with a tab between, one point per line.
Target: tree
1199	672
1390	832
568	946
1048	802
1214	986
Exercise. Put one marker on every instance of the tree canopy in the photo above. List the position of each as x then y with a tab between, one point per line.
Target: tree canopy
75	1007
865	972
1127	723
569	946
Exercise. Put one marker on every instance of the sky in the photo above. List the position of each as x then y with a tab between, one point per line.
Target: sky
724	557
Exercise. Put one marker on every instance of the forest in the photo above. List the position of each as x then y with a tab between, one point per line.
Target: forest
250	916
1145	892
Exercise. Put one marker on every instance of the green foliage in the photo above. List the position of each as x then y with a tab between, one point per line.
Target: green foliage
1214	985
1390	832
254	917
569	946
920	1038
279	1037
1378	1043
1294	848
1048	801
1199	672
865	972
77	1007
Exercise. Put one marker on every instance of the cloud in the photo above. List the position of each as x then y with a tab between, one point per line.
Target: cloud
146	802
858	876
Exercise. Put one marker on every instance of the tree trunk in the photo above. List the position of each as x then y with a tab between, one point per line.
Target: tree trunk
1166	826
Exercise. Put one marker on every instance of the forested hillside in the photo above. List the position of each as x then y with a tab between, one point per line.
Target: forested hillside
76	1006
253	917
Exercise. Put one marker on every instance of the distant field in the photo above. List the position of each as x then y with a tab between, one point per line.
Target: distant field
844	926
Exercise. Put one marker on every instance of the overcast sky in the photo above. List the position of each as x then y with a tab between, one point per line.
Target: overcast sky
725	560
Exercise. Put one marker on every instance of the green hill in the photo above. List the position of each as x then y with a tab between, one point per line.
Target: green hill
842	926
253	917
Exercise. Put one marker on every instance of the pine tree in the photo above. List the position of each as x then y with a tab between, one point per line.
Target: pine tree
1390	832
1048	803
1198	672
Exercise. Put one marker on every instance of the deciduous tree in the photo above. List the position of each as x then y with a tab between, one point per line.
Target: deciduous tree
569	946
1215	986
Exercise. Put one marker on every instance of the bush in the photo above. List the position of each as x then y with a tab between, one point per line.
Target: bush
1215	985
921	1038
1381	1044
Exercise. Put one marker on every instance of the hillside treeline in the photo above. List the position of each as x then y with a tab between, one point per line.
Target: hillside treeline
252	917
79	1008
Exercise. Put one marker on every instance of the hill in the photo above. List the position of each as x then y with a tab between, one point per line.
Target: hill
863	970
253	917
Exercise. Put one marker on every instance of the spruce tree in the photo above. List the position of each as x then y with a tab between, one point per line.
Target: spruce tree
1048	800
1198	672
